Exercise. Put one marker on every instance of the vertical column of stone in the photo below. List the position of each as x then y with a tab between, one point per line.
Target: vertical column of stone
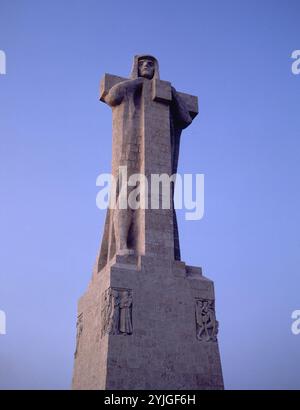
157	160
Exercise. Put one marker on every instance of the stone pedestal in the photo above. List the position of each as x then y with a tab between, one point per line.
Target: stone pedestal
147	323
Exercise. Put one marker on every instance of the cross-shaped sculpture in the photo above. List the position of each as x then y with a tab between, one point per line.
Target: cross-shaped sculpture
148	117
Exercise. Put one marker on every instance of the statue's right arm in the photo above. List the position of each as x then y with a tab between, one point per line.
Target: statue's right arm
116	94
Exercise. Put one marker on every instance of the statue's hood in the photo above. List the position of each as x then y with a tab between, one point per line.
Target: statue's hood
134	71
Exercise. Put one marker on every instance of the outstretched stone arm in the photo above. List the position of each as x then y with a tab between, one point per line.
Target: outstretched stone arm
182	114
117	92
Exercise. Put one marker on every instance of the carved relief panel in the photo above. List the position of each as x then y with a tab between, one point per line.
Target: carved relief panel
206	323
116	312
79	326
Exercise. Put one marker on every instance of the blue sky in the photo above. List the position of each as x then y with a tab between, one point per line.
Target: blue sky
55	139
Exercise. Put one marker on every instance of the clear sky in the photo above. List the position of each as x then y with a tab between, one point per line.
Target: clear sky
55	139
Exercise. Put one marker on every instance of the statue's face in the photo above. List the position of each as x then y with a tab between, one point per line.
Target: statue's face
146	68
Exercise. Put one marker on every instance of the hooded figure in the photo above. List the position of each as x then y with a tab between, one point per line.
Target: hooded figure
135	67
125	100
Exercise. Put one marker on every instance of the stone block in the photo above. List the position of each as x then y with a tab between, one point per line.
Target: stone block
164	330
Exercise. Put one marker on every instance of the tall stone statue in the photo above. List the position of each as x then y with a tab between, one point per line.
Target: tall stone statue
128	100
147	319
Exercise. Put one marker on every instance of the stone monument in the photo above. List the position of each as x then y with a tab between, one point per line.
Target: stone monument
147	320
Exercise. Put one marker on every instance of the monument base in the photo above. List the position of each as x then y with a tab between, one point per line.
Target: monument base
147	323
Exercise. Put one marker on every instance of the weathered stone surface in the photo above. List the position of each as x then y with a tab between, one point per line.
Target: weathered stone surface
148	118
147	320
163	351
